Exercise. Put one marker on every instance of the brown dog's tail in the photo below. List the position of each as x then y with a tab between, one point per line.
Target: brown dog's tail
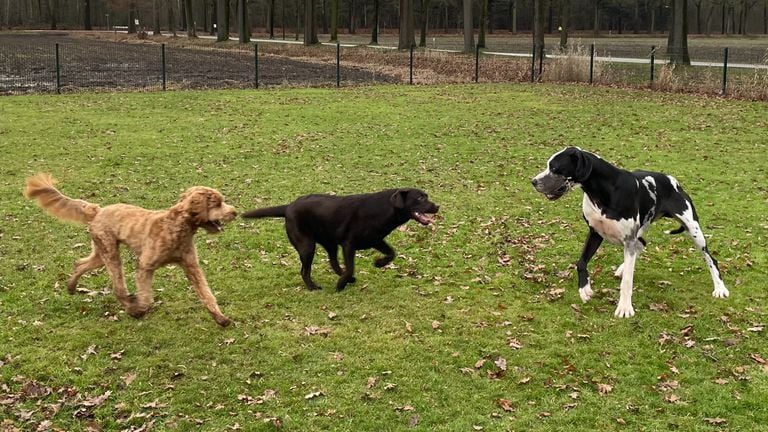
40	187
278	211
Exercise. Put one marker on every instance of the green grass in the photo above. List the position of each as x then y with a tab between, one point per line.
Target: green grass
491	270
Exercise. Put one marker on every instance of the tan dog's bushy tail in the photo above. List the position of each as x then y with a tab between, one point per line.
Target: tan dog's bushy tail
40	187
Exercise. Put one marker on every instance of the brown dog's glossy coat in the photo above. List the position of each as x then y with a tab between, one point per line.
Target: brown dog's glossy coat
156	237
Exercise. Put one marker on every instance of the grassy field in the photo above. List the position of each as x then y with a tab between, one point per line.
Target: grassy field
477	325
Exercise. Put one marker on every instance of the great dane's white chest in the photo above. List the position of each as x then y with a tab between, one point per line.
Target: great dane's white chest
613	230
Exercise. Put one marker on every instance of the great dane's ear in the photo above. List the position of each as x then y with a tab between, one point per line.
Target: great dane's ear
583	166
398	198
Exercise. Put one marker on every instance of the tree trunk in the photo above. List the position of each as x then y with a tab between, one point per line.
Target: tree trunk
156	17
54	14
513	12
565	12
483	19
87	15
424	21
222	21
539	19
271	19
351	26
677	43
324	15
132	17
243	33
596	14
171	19
334	20
375	24
406	38
698	15
310	24
191	32
469	30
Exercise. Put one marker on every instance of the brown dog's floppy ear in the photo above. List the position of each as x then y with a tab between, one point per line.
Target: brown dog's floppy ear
398	198
196	205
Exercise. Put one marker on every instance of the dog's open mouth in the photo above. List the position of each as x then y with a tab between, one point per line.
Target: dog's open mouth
559	192
213	226
423	218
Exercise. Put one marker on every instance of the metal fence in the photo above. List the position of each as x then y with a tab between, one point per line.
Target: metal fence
47	63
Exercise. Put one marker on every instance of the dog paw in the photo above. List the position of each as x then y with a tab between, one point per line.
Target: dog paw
136	311
222	320
381	262
624	311
720	292
585	293
619	271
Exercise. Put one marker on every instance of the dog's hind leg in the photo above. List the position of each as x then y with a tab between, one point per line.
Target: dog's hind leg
333	258
349	267
590	247
109	251
389	254
144	295
691	223
83	266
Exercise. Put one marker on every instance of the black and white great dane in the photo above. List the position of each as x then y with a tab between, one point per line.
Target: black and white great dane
619	206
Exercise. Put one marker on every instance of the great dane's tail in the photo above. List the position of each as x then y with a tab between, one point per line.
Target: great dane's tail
278	211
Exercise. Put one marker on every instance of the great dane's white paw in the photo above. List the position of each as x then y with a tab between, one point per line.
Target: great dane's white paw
720	291
585	293
624	310
619	271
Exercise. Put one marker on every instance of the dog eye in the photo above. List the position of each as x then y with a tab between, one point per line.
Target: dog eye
421	198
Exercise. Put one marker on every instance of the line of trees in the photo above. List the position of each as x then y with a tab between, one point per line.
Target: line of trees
308	17
352	16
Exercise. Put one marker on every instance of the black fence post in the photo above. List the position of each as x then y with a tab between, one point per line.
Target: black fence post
58	71
256	64
477	63
338	64
653	55
725	71
533	63
162	56
410	66
591	62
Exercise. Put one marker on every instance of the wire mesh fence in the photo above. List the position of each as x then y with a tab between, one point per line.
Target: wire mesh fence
58	63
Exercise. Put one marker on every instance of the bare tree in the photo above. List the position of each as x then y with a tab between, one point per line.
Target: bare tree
243	26
469	31
156	17
539	18
564	16
406	38
424	17
375	24
171	19
677	43
271	18
54	14
334	20
191	32
222	20
87	15
310	23
483	20
132	17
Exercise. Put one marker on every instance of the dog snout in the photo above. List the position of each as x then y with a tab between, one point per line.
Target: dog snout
535	182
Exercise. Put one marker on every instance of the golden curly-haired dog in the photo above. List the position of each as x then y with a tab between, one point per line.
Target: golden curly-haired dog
156	237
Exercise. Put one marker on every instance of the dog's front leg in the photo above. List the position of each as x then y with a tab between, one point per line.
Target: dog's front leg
590	247
389	254
349	267
197	279
624	309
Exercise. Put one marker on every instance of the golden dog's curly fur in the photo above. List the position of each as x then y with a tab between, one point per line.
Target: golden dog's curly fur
156	237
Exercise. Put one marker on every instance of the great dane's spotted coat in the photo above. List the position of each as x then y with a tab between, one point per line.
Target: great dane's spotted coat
618	206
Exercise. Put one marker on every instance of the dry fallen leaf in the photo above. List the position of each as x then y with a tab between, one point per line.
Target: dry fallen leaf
514	343
604	388
314	395
715	421
505	404
435	325
371	382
